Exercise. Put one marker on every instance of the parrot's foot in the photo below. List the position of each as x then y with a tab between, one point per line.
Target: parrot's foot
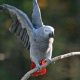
38	67
49	61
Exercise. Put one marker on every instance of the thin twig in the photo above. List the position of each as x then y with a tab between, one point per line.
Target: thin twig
27	75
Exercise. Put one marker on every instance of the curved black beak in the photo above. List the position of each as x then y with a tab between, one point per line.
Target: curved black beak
51	35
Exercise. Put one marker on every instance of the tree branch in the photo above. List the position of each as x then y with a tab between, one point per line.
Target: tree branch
27	75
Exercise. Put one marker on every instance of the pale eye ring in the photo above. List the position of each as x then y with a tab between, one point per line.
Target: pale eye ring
46	30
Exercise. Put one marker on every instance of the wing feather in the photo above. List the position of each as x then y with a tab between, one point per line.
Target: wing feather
20	25
36	15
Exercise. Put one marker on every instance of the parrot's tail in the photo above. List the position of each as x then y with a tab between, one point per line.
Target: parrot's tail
38	73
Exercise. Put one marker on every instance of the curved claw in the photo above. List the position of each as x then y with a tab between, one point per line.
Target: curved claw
38	67
49	61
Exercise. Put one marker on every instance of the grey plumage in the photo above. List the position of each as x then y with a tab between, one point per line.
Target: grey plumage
20	22
36	36
36	15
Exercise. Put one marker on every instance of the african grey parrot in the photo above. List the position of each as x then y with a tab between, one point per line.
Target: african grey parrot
35	36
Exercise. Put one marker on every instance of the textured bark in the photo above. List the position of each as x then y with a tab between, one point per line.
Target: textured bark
27	75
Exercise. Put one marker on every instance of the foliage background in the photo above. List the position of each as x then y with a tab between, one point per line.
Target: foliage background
64	16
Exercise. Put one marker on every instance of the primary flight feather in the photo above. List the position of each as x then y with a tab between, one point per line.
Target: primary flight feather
34	35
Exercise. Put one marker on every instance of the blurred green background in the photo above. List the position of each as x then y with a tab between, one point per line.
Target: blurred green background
64	16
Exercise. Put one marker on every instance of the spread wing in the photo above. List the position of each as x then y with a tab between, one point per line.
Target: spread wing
36	15
21	24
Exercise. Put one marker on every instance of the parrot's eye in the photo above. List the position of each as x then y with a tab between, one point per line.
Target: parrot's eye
45	30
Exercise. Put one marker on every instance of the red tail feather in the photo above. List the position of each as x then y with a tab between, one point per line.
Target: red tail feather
41	72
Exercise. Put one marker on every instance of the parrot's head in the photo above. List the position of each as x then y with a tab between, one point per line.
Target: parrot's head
46	32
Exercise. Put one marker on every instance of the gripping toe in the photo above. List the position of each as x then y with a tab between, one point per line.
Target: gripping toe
39	67
49	61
